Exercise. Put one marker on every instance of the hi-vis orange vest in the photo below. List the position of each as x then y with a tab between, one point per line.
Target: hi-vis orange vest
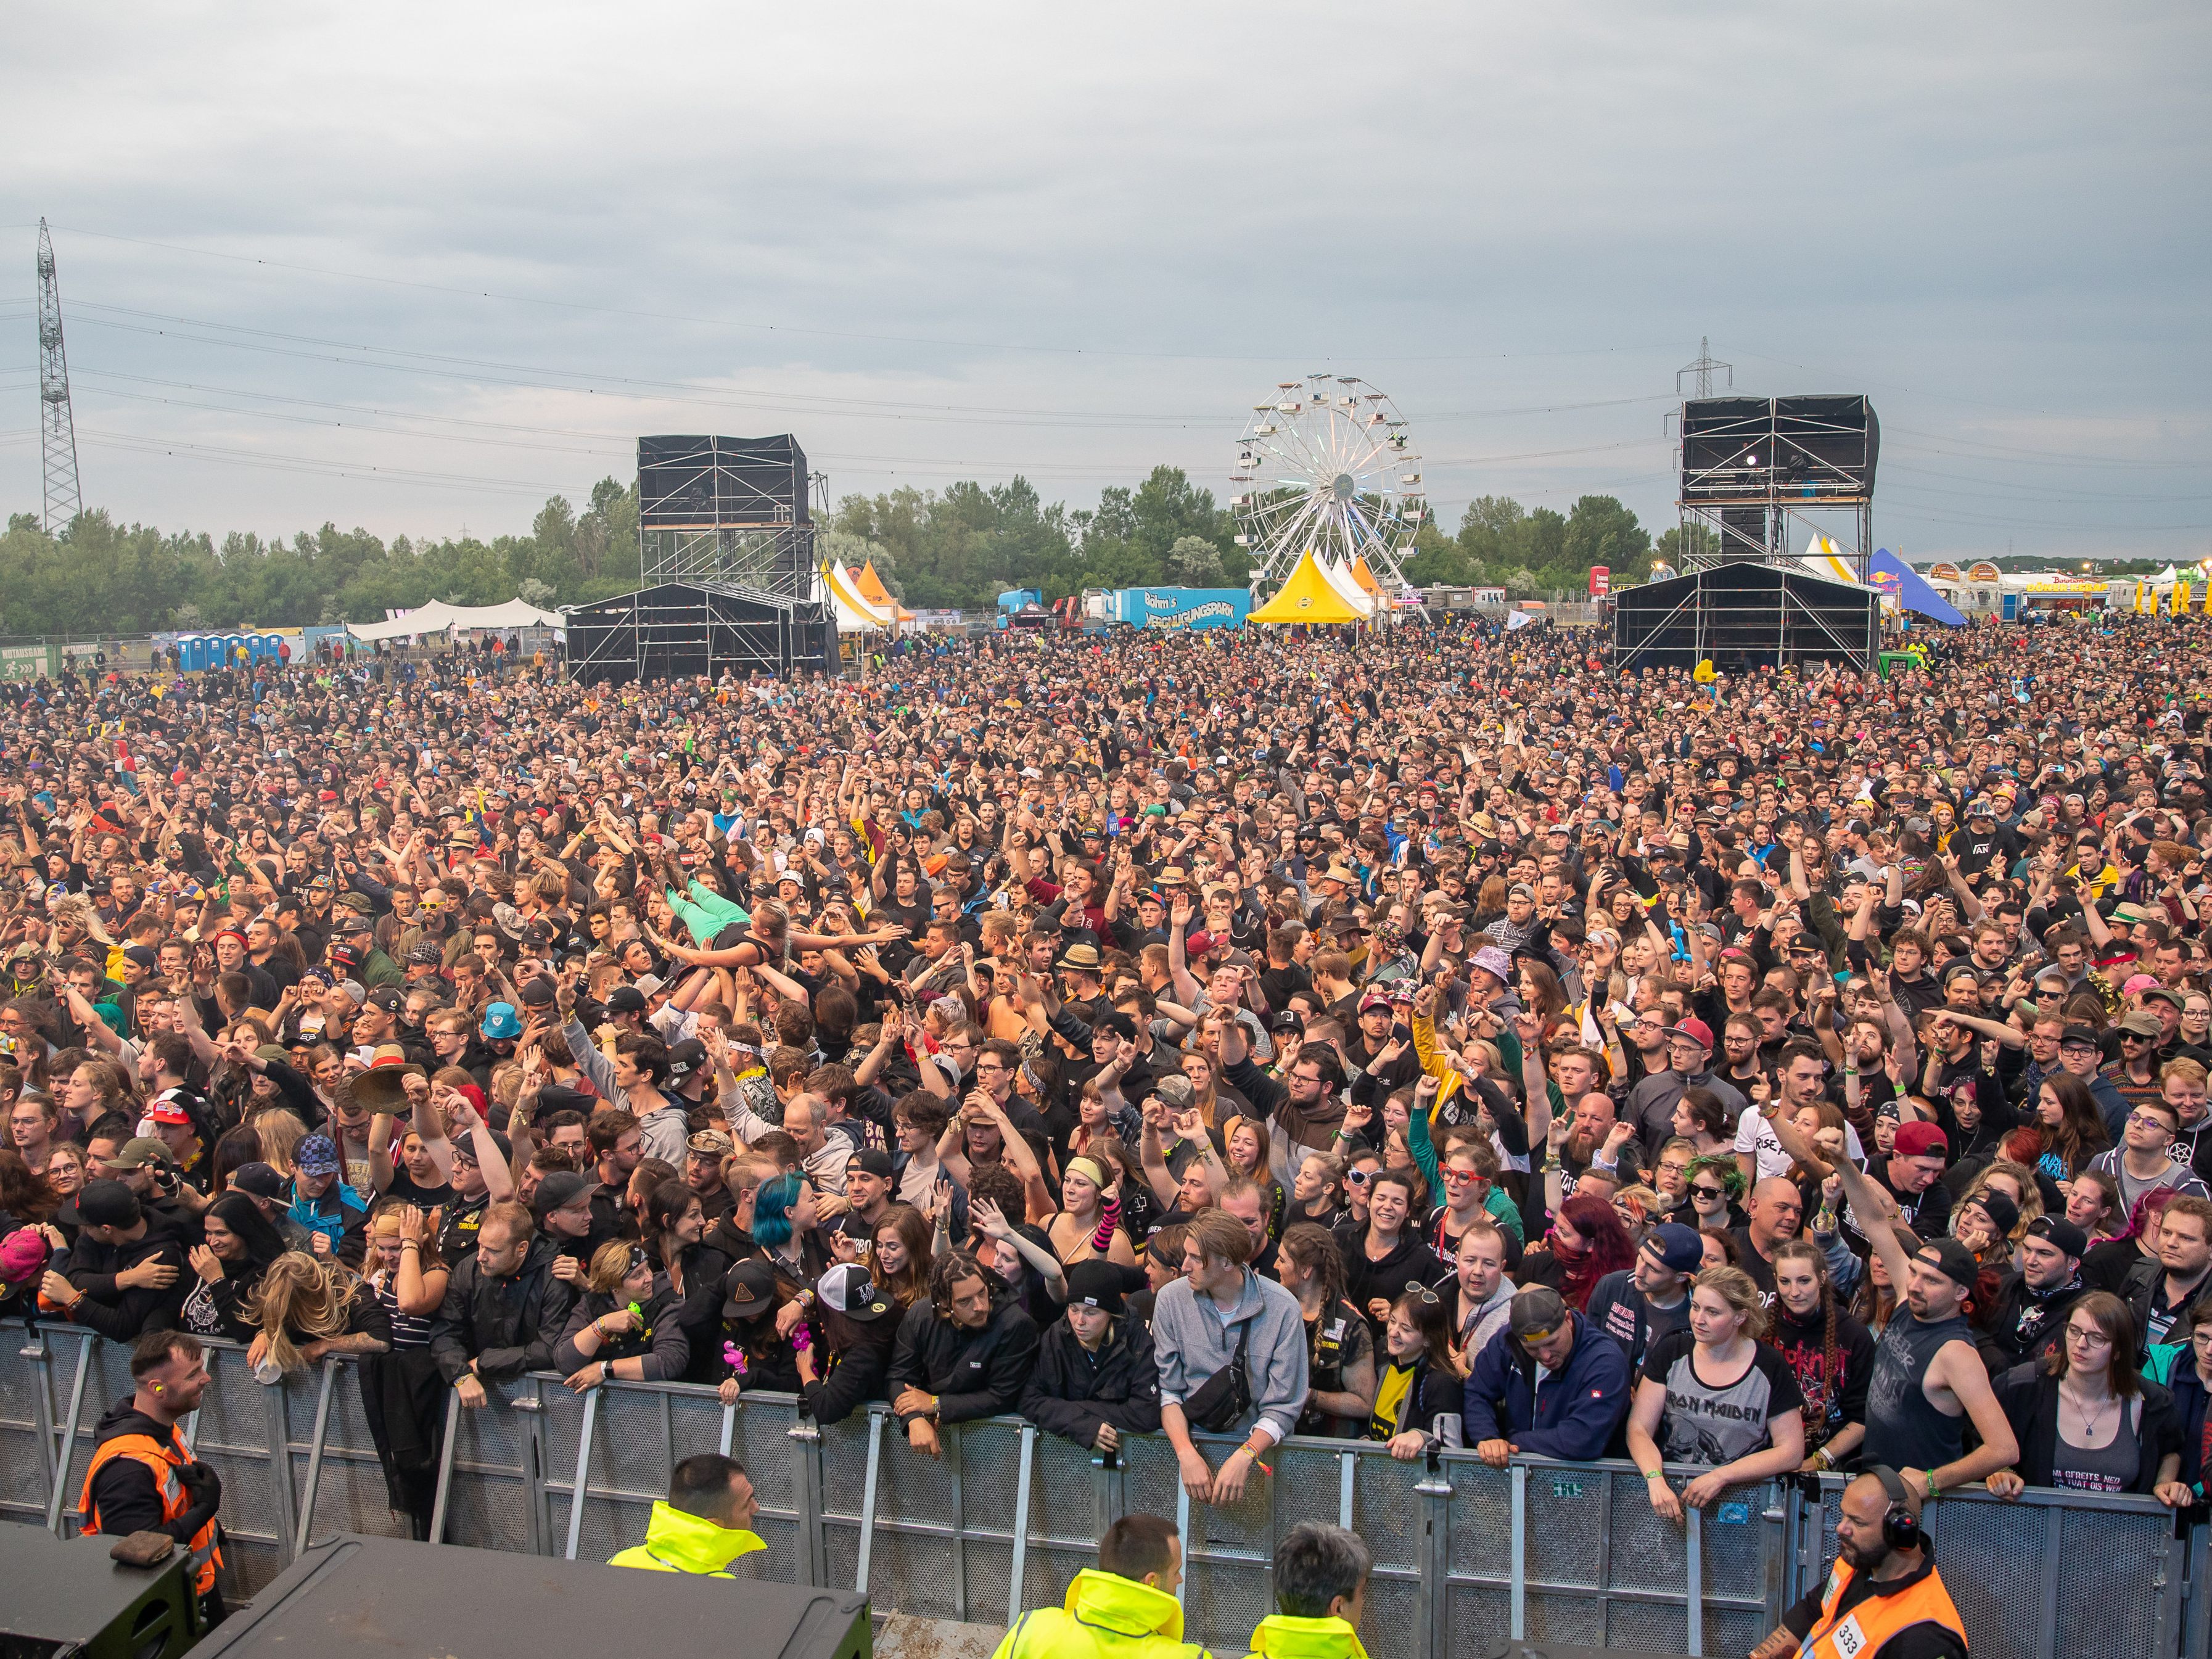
1876	1618
163	1463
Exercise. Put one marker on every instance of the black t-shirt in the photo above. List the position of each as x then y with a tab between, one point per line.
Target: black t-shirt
404	1190
1711	1423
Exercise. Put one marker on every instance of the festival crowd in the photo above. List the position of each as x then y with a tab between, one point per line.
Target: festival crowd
1442	1037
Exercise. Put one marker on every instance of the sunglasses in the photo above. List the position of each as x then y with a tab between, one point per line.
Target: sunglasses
1428	1297
1708	1192
1358	1177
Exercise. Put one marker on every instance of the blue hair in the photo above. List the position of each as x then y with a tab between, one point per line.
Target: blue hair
773	1204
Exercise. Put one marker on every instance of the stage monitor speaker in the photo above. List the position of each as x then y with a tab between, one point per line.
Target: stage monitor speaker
70	1598
376	1598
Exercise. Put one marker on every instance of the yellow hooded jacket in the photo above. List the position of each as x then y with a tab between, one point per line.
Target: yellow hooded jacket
1106	1616
1279	1636
676	1542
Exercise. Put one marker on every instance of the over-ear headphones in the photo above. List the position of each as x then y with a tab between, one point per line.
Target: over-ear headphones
1901	1527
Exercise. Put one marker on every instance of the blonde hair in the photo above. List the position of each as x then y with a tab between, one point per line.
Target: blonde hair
1734	1286
280	1132
609	1266
300	1297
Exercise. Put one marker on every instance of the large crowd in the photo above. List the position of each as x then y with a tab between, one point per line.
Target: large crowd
1439	1037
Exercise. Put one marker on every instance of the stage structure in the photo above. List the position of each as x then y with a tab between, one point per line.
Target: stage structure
1760	476
679	629
1745	616
726	564
726	510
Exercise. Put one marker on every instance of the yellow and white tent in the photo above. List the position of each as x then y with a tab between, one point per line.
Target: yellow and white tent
1308	597
1341	579
853	613
873	591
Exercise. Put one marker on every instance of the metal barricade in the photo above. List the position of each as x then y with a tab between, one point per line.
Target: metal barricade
619	1444
1607	1572
1466	1556
2051	1574
491	1470
29	1416
338	1478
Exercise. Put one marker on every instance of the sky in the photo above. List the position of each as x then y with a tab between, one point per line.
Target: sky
415	268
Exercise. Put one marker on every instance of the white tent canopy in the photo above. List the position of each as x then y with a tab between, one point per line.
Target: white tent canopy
437	617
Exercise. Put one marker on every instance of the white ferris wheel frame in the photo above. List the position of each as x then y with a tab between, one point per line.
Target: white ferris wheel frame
1329	466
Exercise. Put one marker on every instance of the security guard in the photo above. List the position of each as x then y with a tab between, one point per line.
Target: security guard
705	1524
1884	1599
141	1477
1123	1608
1321	1592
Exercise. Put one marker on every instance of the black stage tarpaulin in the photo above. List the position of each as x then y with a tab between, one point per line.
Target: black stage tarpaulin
681	629
1742	617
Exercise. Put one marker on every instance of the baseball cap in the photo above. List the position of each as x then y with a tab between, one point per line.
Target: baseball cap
1119	1024
2058	1231
387	999
625	999
537	993
1537	1314
2081	1036
1678	1249
171	1112
258	1181
847	1289
685	1058
2003	1212
870	1161
101	1203
650	985
426	956
1175	1090
136	1154
1696	1030
316	1155
749	1289
1951	1258
1095	1284
24	1256
559	1190
1918	1140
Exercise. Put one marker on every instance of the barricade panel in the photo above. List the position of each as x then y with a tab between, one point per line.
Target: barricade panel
235	1432
489	1500
350	1493
26	1403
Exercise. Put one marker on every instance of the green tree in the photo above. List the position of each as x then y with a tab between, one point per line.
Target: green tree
1195	563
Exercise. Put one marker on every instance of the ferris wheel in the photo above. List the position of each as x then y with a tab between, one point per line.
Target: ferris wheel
1327	464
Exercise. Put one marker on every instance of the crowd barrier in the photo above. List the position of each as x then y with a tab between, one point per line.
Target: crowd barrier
1466	1556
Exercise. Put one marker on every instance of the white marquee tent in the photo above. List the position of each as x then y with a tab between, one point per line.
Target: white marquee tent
437	617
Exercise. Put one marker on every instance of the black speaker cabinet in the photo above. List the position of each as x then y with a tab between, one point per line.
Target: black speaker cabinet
67	1599
380	1598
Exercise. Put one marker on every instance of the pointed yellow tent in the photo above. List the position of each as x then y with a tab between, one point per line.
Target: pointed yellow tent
1307	598
852	612
873	591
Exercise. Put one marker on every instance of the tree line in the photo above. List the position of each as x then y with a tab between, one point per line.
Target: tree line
954	550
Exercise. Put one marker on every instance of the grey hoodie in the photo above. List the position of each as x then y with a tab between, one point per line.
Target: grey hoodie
1191	1342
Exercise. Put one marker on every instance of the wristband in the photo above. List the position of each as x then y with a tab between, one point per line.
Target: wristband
1931	1483
1655	1474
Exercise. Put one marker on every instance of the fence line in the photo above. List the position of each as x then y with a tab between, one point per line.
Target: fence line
1466	1556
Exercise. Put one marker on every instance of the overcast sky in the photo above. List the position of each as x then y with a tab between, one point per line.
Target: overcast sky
416	268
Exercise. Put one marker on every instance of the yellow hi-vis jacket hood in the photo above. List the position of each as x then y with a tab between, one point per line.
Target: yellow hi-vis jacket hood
1105	1616
676	1542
